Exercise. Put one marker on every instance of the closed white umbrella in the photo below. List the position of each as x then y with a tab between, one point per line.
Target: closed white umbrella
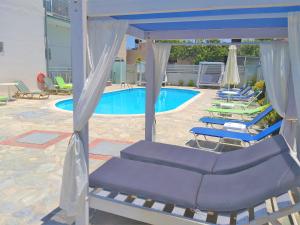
231	75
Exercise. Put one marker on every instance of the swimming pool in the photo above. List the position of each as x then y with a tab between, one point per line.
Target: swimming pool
132	101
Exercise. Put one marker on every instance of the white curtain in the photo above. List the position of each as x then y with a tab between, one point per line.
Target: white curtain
161	53
231	75
105	38
294	47
276	71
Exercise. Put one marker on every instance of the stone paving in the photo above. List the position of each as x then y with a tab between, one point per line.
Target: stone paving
30	178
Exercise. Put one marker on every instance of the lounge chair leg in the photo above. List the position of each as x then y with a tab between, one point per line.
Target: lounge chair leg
219	147
197	141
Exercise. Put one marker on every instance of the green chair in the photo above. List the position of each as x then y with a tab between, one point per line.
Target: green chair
3	100
225	104
242	112
52	89
61	83
24	92
238	104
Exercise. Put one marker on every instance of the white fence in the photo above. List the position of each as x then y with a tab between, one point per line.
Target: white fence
182	73
176	73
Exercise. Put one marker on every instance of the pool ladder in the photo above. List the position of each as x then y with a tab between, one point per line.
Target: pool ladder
124	84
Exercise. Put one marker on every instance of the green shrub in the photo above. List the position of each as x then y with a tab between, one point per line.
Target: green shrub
191	83
272	117
259	85
138	60
262	101
180	82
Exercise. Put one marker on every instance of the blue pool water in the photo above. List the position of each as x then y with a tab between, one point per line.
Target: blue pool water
132	101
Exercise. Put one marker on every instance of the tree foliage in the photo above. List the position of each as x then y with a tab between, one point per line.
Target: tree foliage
248	50
212	53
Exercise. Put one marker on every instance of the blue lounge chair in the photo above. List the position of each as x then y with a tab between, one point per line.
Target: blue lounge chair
243	93
249	97
238	93
233	89
225	134
222	121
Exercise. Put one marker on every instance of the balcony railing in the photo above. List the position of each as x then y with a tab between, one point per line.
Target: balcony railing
64	72
57	8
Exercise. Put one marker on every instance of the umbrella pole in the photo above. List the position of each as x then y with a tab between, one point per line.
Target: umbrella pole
228	99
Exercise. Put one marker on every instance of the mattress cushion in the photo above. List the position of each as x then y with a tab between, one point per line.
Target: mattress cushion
171	155
160	183
235	161
231	192
202	161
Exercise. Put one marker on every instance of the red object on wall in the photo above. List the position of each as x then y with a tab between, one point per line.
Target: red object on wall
41	80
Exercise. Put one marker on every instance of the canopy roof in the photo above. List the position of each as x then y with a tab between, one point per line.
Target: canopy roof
189	19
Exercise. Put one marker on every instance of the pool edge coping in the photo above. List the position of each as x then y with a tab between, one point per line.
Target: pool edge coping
179	108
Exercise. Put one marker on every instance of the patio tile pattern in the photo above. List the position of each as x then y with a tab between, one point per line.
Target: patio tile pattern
36	139
108	147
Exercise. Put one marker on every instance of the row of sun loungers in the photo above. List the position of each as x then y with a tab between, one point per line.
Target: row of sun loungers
61	87
239	92
222	121
24	92
241	136
235	129
252	95
245	94
49	88
237	111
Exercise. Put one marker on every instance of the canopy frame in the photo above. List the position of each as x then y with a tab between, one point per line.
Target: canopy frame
80	12
171	12
133	7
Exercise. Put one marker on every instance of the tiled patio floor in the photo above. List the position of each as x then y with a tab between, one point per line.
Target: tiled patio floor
30	178
36	139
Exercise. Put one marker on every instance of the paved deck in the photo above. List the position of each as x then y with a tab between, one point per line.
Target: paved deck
30	173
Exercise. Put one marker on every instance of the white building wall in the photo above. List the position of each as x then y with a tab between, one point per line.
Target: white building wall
22	32
59	47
